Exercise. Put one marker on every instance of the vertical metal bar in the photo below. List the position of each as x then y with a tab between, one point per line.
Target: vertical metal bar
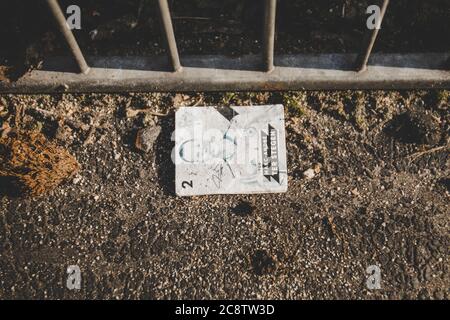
68	35
169	34
363	58
269	34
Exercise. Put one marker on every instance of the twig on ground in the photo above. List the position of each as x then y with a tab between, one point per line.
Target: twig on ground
90	136
417	155
75	124
198	102
332	227
131	113
96	125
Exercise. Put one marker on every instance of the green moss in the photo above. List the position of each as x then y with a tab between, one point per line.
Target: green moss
359	113
443	95
228	98
443	99
295	103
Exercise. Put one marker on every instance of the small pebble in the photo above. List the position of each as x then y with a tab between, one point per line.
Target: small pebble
309	174
147	137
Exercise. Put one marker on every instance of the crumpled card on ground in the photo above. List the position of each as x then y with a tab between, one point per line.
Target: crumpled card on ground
230	150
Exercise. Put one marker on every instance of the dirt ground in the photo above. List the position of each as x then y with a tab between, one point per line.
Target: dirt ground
381	198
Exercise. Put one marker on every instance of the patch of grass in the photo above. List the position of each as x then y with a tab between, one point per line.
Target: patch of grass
295	102
228	97
443	99
359	113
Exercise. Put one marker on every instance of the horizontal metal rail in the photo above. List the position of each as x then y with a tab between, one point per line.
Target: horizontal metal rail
219	73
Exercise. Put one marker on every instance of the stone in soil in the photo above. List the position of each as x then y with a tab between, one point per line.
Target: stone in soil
146	138
309	174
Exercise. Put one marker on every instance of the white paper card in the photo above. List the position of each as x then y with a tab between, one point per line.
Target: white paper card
230	150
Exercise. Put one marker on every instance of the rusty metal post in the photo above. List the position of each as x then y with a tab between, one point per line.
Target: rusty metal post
68	35
269	34
169	34
363	58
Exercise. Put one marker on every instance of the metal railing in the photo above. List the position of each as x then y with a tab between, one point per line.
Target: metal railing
267	72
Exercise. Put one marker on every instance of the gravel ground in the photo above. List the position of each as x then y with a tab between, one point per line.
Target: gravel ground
379	194
379	197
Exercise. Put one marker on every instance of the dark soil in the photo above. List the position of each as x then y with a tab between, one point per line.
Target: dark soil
416	126
244	208
376	199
